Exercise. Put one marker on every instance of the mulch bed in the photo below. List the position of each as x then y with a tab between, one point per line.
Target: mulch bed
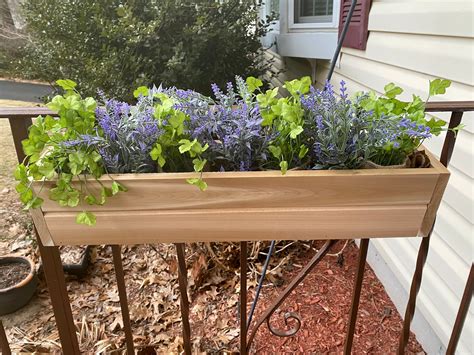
323	300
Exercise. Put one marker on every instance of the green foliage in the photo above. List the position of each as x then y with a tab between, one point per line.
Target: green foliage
86	218
388	105
50	157
286	116
118	46
439	86
173	148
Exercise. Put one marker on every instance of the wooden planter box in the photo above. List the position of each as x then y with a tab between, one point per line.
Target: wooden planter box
239	206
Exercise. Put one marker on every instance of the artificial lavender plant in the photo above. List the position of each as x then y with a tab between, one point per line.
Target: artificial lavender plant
230	125
342	137
127	135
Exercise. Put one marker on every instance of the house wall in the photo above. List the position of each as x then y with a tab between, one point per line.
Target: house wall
411	42
285	68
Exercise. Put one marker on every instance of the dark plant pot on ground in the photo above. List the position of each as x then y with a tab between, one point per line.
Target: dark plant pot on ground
18	282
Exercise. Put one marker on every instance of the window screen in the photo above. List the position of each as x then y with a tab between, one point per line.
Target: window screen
313	11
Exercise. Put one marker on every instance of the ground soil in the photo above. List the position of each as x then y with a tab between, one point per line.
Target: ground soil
322	300
12	273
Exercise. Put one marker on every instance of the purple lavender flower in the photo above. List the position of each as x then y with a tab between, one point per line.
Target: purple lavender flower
230	125
343	90
129	133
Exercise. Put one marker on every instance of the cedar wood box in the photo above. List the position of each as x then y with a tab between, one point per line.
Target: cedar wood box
264	205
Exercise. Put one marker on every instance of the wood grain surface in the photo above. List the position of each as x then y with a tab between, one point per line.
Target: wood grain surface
239	206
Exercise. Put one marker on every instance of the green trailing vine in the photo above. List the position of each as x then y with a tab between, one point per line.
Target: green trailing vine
51	157
286	116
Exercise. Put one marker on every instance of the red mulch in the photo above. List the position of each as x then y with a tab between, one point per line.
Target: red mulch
323	301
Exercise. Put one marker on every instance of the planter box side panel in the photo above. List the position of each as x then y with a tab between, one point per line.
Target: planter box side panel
228	190
141	227
158	208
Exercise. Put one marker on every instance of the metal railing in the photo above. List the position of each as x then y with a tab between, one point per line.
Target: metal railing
20	120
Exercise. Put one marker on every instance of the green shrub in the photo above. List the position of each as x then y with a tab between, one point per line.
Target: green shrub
119	45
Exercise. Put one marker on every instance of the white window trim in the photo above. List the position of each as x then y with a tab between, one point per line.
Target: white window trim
292	25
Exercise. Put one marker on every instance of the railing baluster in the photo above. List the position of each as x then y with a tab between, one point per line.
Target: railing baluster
359	277
19	129
450	140
53	271
120	277
415	287
4	346
243	298
446	153
462	312
183	289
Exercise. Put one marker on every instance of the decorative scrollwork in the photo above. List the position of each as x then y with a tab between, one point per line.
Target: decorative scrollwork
267	314
286	333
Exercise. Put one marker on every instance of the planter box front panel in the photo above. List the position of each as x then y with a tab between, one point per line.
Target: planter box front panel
252	206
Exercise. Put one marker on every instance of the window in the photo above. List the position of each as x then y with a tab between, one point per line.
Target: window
313	11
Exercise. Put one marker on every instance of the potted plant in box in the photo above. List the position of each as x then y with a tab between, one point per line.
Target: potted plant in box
233	144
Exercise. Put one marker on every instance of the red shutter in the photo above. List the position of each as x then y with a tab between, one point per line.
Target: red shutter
356	36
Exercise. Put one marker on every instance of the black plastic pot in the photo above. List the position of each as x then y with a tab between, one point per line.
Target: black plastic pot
16	296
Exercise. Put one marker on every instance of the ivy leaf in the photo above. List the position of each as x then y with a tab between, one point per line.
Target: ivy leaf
298	87
76	161
198	182
267	99
116	187
391	90
268	117
21	188
457	129
199	164
436	126
47	169
87	218
295	131
290	113
176	121
20	173
284	167
141	91
26	196
253	83
73	199
186	145
91	200
303	151
156	151
439	86
66	84
276	151
34	203
104	193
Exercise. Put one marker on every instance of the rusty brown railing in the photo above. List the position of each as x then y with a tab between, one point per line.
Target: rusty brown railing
20	120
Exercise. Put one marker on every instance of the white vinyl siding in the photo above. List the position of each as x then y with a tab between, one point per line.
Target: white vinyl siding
409	43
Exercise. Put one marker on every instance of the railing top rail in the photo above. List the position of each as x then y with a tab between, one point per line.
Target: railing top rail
24	112
450	106
435	106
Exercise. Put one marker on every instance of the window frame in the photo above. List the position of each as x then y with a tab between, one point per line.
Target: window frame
292	25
